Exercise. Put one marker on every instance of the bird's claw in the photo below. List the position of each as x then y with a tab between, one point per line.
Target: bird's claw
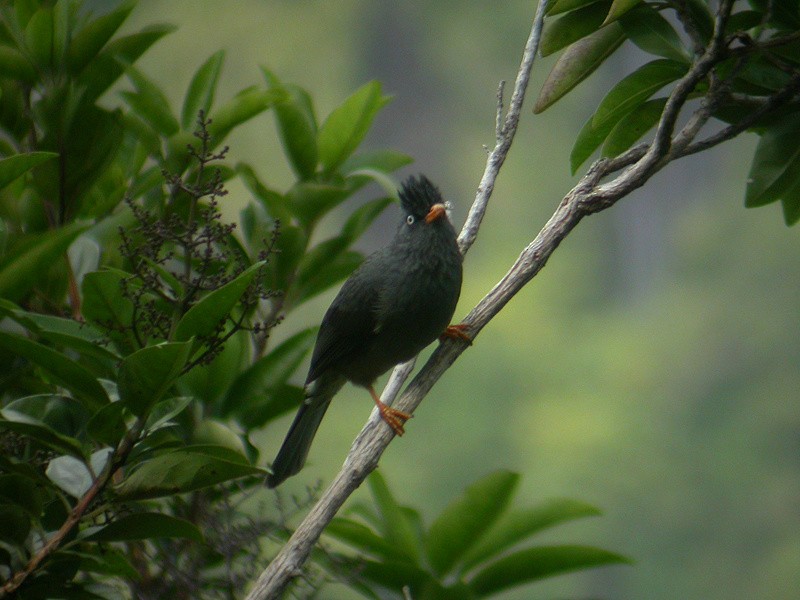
394	418
457	332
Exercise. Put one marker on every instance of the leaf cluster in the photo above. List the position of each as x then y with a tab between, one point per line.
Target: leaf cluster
479	546
752	86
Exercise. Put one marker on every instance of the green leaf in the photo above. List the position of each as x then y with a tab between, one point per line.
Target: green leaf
363	539
775	171
64	371
40	37
27	425
467	518
88	42
361	218
271	200
14	65
385	161
572	27
22	491
346	126
633	90
516	525
180	471
203	318
150	103
336	270
203	87
396	528
589	139
562	6
107	425
619	8
577	62
535	564
242	107
25	265
112	61
14	525
633	126
105	305
650	31
146	375
309	201
108	561
252	395
72	475
396	575
17	165
297	126
145	526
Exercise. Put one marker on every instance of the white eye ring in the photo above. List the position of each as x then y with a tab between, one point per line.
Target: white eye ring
410	219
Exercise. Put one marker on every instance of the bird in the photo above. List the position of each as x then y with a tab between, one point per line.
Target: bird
397	302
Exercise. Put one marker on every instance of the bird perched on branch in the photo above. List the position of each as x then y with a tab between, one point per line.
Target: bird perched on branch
397	302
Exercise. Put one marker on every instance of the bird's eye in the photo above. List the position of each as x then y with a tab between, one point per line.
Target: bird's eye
410	219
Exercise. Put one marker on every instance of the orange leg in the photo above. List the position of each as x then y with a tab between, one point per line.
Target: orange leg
394	418
457	332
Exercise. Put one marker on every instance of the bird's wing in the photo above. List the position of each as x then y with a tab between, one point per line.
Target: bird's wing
349	324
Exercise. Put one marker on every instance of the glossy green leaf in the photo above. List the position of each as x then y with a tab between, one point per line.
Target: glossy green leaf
535	564
17	165
775	171
297	126
702	18
635	89
63	370
242	107
146	375
36	429
396	528
88	42
336	270
467	518
14	65
202	88
145	526
650	31
398	574
619	8
109	561
182	470
209	383
204	317
250	397
633	126
516	525
73	476
346	126
589	139
572	27
309	201
27	263
577	62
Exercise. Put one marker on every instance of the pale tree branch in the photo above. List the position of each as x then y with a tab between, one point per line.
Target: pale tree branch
593	193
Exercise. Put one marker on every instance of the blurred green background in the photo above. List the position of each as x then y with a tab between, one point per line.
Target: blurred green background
651	369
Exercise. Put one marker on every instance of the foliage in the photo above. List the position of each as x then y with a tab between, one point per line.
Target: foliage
475	548
136	359
751	86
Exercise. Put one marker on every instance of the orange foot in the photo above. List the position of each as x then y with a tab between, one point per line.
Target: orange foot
394	418
457	332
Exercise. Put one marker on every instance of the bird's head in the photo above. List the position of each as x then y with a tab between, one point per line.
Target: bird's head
422	201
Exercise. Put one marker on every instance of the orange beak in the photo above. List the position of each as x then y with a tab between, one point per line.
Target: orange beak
437	211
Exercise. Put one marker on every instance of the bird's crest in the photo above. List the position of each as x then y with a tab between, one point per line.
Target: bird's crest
418	194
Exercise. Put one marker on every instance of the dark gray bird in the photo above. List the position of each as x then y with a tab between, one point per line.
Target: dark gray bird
397	302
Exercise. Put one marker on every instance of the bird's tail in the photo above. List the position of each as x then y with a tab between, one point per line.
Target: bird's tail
292	455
